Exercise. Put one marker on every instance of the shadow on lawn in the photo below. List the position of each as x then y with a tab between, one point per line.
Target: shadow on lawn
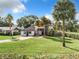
73	49
67	40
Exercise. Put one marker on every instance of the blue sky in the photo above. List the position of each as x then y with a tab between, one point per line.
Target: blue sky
19	8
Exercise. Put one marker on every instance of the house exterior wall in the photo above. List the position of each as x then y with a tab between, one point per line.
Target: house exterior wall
31	33
35	31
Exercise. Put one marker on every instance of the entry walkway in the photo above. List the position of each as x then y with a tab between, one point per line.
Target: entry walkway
10	40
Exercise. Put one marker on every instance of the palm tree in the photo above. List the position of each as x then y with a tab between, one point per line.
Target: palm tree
39	23
64	11
1	22
46	22
9	19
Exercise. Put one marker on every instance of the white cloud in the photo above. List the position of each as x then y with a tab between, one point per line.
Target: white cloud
18	8
24	0
77	16
49	17
13	5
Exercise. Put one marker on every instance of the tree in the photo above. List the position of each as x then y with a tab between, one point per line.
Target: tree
57	26
39	23
1	22
9	19
26	21
64	11
46	22
71	26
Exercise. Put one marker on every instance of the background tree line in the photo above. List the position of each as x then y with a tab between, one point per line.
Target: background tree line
6	21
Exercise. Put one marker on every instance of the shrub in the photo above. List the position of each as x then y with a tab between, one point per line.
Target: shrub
51	32
58	34
72	35
15	33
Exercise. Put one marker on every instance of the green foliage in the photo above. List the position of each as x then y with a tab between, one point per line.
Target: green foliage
39	23
51	32
26	21
3	22
72	35
71	26
45	20
9	34
9	19
64	11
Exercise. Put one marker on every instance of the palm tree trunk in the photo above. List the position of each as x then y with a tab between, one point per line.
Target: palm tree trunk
63	33
10	29
56	25
46	29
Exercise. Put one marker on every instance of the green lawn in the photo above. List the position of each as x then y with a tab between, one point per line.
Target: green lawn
6	37
46	45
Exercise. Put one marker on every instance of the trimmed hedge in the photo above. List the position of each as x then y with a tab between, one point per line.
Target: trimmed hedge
15	33
58	34
67	34
72	35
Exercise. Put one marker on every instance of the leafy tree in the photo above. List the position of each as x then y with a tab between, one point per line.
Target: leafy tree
26	21
46	22
19	22
39	23
57	26
9	19
4	22
72	26
1	22
65	11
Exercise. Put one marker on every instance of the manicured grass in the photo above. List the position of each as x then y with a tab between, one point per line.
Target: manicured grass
46	45
6	37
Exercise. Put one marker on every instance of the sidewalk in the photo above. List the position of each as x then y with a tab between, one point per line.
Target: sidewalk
4	41
10	40
24	38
